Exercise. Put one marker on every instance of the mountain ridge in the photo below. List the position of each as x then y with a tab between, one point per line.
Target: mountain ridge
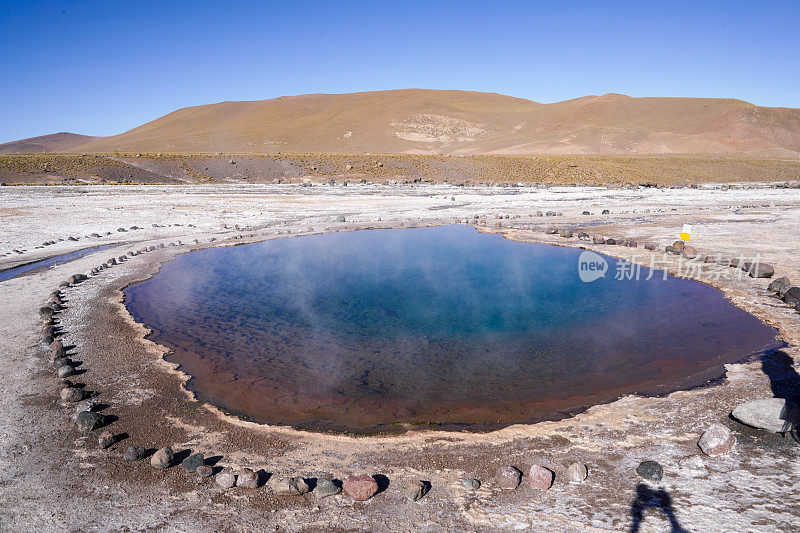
453	122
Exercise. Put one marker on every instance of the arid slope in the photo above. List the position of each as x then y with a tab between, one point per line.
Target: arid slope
460	122
56	142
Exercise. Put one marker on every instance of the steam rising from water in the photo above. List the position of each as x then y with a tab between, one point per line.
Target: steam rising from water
361	330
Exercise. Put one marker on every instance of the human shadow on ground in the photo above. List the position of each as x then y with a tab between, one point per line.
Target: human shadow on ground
647	498
783	378
785	384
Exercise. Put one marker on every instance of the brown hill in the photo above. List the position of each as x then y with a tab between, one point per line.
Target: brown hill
461	122
56	142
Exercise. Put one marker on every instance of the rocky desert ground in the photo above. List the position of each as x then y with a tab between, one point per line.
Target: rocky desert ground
59	472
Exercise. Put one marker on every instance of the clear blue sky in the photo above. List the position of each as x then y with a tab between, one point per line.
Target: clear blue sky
100	68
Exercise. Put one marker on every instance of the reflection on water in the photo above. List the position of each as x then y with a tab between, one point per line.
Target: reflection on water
387	329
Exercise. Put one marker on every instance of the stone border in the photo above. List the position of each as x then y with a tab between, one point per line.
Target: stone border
716	440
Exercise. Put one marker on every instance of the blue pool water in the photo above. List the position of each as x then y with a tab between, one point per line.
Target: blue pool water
384	330
49	262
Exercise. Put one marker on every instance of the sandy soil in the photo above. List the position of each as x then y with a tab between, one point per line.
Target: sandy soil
53	477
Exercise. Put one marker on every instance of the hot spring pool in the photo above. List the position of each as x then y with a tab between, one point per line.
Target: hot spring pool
382	330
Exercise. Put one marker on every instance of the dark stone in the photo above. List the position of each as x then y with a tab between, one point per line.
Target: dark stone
650	470
678	246
598	239
649	246
605	212
566	233
134	453
792	296
780	285
89	420
611	240
77	278
760	270
552	230
191	463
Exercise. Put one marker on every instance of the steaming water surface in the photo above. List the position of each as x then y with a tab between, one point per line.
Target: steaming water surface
388	329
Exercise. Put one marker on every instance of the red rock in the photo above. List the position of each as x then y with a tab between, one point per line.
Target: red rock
540	478
361	487
716	440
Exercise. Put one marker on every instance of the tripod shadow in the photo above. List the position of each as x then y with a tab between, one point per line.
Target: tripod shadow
647	498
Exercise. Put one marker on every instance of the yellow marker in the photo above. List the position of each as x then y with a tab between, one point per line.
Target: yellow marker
686	233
